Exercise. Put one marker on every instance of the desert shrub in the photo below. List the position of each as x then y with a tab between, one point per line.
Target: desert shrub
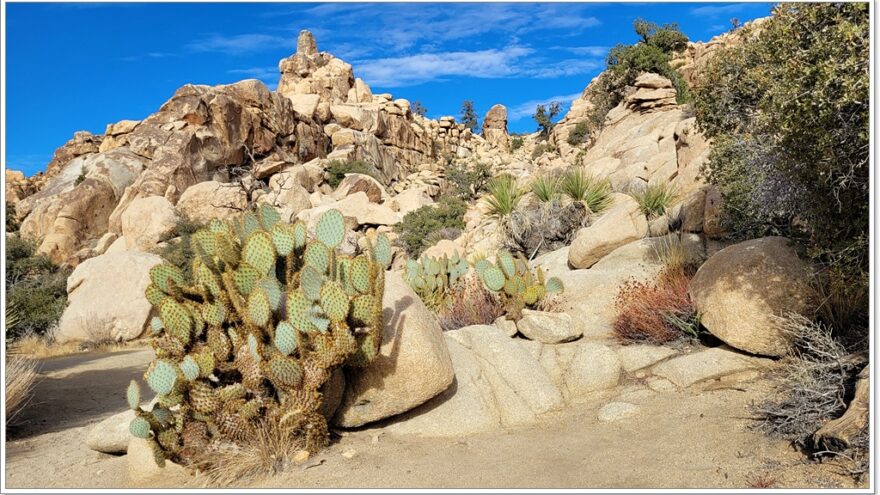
265	320
517	285
545	187
337	169
657	312
12	223
594	193
654	199
35	286
544	115
21	376
418	108
788	112
625	63
551	225
504	195
579	134
469	116
814	384
470	303
467	183
542	148
516	142
416	228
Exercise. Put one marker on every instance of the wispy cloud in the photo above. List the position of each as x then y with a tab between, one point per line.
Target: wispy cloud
715	11
527	109
241	43
592	51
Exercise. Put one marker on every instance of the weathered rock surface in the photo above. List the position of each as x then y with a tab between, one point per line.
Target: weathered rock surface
413	364
615	411
148	221
687	370
211	199
740	289
105	298
547	328
621	224
495	127
142	467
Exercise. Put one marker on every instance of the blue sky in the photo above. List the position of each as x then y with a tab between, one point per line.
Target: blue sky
81	66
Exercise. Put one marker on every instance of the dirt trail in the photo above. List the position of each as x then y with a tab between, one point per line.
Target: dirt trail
678	439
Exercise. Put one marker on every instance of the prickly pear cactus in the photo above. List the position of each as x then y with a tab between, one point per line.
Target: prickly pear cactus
266	318
510	278
434	278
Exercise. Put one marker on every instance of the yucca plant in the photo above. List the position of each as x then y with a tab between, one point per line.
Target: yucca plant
578	185
654	199
545	187
504	195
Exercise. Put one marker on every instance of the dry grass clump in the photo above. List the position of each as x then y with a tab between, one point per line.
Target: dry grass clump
656	312
814	385
268	450
38	346
21	376
470	303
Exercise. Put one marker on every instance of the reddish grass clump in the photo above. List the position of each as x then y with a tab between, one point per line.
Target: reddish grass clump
658	312
470	304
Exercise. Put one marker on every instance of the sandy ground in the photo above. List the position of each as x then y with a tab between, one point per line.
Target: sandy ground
679	439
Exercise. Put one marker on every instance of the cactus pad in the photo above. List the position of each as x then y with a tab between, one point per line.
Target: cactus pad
334	301
317	256
494	278
162	376
285	370
246	278
359	274
283	238
286	339
382	252
177	320
166	277
268	216
133	395
298	310
330	229
190	368
139	427
554	285
259	252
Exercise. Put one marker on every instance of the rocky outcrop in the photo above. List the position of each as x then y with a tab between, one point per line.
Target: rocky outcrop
652	93
105	298
621	224
495	127
741	289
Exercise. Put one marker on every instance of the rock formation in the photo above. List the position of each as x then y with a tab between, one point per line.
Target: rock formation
495	127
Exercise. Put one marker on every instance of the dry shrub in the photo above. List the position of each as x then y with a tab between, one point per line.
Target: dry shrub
38	346
656	312
470	303
814	384
21	376
268	450
763	480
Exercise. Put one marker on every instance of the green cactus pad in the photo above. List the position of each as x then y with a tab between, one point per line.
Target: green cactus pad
207	279
254	347
259	307
133	395
531	295
248	224
246	278
554	285
300	235
285	371
514	286
214	313
169	440
269	216
493	277
481	267
311	281
166	276
219	343
156	325
206	363
361	311
227	249
382	252
317	319
506	263
203	398
317	256
272	287
161	415
154	295
286	339
334	301
217	225
162	376
366	351
298	310
177	320
231	392
139	427
259	252
204	241
331	228
283	238
190	368
359	275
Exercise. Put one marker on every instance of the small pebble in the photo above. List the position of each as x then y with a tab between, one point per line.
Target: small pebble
300	457
348	454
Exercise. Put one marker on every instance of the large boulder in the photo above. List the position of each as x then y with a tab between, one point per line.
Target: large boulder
211	199
105	296
413	364
548	328
623	223
148	221
742	288
495	127
353	183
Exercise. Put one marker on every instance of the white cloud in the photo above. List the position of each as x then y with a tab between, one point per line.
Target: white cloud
241	43
592	51
714	11
527	109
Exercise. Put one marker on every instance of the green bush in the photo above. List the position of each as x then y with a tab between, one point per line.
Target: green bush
516	142
654	199
504	195
545	187
542	148
337	170
467	183
12	224
417	227
35	286
594	193
625	63
579	134
788	113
